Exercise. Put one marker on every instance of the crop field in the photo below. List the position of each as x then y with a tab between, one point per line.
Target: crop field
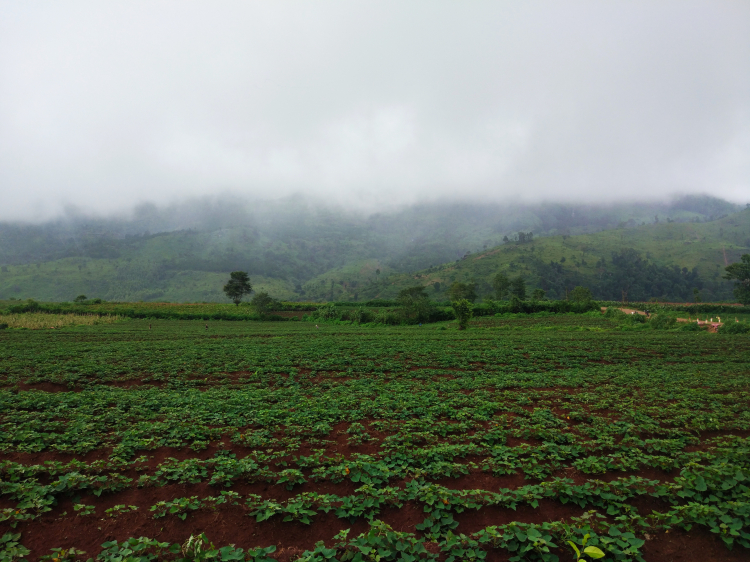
176	439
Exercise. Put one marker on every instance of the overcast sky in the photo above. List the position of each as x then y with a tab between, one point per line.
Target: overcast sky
104	105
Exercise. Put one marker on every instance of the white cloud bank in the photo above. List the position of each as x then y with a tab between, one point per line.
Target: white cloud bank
104	105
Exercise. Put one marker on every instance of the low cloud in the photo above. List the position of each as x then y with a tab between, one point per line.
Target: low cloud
369	105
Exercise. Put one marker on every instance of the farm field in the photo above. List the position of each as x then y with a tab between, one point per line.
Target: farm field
501	442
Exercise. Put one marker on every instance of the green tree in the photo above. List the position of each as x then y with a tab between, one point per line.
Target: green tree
415	303
263	302
581	294
238	286
538	295
466	291
501	284
740	273
463	310
80	299
518	288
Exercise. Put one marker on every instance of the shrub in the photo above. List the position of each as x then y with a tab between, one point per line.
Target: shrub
581	294
462	309
614	313
361	316
662	322
636	318
734	328
388	317
327	312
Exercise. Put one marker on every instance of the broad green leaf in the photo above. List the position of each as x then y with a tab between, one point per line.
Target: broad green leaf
593	551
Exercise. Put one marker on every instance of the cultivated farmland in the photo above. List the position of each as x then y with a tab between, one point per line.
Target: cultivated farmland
501	442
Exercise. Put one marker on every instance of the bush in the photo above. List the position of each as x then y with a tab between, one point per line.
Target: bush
734	328
327	312
359	315
636	318
614	313
388	317
3	326
462	308
691	327
581	294
662	322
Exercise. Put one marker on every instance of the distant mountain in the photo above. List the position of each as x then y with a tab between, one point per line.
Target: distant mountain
669	261
293	248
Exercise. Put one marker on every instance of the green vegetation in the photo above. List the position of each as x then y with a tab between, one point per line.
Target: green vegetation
238	286
740	273
673	262
463	310
295	251
43	320
625	432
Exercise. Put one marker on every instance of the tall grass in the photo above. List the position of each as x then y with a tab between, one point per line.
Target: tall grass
38	321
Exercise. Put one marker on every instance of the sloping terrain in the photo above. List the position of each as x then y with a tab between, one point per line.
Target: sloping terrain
665	260
301	252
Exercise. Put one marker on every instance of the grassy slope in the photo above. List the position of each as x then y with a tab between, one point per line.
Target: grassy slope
192	266
62	280
701	245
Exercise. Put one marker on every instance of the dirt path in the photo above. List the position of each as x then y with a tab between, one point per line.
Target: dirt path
627	311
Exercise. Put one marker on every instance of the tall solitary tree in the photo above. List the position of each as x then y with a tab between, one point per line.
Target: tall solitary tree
501	284
518	288
581	294
740	272
238	286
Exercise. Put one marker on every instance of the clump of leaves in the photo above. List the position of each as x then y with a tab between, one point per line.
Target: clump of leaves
11	549
64	555
119	510
590	551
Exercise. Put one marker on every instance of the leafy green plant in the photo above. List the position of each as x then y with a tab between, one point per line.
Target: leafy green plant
83	509
590	551
116	510
64	555
11	549
178	506
132	550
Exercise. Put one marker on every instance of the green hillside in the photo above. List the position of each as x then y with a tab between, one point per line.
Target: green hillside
682	256
298	251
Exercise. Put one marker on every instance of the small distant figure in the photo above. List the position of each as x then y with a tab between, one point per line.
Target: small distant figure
317	326
149	326
420	324
648	314
206	326
735	319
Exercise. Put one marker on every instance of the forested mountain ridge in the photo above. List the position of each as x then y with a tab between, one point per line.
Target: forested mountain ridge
293	248
669	261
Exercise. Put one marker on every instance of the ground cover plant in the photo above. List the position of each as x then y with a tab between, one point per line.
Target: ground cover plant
523	437
45	321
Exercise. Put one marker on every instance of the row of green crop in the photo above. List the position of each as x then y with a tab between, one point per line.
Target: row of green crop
384	312
712	496
695	308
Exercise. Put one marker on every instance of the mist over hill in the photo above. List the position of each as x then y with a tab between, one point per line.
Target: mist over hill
296	248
